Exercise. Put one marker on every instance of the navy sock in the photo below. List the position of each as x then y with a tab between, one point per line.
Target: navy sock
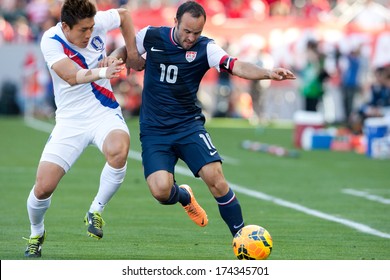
177	195
230	211
173	197
184	196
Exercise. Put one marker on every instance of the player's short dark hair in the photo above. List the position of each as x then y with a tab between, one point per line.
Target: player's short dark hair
192	7
73	11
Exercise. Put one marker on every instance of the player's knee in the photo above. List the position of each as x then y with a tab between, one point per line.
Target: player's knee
116	155
219	188
116	150
160	189
160	185
160	195
43	190
117	160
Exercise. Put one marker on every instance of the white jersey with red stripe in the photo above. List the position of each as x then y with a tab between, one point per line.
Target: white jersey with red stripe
83	101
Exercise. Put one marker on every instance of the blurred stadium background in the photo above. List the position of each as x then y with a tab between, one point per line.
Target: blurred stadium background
271	32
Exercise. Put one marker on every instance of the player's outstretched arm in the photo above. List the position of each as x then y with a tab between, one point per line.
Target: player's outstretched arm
250	71
67	71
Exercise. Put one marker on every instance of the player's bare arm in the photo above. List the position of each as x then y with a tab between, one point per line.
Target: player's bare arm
251	71
121	53
67	71
108	60
134	60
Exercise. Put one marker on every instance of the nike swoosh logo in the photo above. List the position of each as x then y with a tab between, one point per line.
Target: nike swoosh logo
156	50
213	153
73	55
228	63
237	227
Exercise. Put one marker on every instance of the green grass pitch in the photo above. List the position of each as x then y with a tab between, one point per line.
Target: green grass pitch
300	201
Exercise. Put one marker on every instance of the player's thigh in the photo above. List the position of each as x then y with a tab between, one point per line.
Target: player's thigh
65	145
104	137
157	154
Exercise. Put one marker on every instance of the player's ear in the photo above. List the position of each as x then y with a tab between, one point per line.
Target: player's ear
65	27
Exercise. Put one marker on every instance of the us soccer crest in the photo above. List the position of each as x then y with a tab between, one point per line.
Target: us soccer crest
190	56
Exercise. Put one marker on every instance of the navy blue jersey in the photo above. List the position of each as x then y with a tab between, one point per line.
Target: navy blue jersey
171	82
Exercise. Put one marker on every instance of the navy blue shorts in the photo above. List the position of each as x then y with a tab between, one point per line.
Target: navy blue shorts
163	151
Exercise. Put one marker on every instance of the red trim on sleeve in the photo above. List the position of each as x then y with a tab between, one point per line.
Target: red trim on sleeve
227	63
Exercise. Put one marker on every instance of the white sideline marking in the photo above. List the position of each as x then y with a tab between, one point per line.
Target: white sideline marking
367	195
312	212
230	160
39	125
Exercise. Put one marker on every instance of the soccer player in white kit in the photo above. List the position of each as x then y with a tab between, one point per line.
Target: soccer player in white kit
87	111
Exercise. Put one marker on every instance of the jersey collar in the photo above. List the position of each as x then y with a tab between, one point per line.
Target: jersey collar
172	37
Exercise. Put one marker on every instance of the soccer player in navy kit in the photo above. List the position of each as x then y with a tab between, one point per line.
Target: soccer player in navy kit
171	121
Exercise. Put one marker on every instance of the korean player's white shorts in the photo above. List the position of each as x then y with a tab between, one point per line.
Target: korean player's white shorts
69	139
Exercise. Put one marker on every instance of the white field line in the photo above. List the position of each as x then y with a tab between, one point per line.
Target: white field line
230	160
38	124
367	195
311	212
256	194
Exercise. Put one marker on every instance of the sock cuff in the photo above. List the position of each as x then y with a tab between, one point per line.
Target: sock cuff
227	198
173	197
116	170
32	192
114	175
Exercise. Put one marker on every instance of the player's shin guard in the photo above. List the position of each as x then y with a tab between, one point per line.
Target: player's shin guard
36	209
230	211
110	181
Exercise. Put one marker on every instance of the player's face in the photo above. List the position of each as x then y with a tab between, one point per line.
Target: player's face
81	32
188	30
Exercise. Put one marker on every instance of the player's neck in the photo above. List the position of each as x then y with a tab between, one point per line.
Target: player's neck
175	41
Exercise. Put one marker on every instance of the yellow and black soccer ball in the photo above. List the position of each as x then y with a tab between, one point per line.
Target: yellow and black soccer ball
252	242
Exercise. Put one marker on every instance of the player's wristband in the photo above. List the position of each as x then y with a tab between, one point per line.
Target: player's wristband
103	72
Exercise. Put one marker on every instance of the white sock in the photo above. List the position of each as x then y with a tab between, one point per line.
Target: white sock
36	209
110	181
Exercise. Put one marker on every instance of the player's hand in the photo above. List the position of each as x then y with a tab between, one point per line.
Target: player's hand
107	61
114	68
281	74
135	62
